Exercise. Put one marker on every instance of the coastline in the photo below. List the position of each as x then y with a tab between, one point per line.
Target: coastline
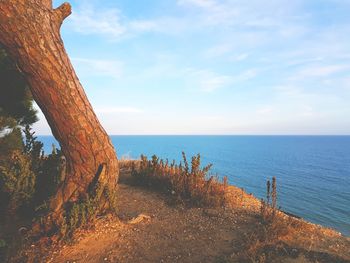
308	169
150	227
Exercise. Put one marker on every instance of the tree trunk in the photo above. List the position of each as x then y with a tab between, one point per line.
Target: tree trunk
30	32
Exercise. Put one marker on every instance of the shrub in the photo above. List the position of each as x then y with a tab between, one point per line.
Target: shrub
27	177
10	142
33	148
191	184
17	182
269	206
267	236
82	212
50	171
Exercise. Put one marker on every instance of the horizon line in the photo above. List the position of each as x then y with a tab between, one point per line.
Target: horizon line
216	134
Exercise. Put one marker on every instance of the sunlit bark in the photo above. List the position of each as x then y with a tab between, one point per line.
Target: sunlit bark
30	32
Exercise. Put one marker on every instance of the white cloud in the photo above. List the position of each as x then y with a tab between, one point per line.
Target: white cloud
144	25
253	13
200	3
240	57
117	110
166	25
281	38
218	50
105	114
322	71
212	83
265	110
324	74
206	80
246	75
209	81
87	20
111	68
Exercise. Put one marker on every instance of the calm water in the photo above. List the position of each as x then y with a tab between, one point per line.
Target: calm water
313	172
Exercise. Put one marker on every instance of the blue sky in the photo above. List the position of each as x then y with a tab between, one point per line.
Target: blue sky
213	67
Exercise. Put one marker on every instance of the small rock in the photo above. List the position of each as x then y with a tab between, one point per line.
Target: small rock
211	212
139	218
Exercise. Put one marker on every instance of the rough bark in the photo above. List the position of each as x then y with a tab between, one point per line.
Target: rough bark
30	32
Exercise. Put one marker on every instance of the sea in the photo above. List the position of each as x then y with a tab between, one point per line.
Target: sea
312	172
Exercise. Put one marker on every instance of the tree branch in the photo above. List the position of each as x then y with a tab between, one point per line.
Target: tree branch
63	11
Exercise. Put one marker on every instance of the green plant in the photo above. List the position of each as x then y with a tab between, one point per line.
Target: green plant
10	142
28	178
50	172
17	182
2	243
33	148
83	212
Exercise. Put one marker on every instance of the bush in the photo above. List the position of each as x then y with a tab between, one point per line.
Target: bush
50	171
82	212
27	177
17	182
191	184
10	142
266	237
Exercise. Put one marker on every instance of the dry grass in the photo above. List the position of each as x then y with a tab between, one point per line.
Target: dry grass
269	236
127	164
197	235
266	239
187	183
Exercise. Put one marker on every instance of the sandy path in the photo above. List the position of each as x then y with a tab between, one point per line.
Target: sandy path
177	234
172	234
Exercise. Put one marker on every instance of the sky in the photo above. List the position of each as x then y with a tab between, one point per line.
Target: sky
213	66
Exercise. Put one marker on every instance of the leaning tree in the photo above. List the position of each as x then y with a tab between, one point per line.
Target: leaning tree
30	33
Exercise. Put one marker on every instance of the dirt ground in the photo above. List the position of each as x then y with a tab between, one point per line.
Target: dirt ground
171	234
151	229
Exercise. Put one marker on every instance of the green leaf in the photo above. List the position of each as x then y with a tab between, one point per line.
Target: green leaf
2	243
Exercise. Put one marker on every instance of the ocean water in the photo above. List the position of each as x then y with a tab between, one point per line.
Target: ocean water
313	172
